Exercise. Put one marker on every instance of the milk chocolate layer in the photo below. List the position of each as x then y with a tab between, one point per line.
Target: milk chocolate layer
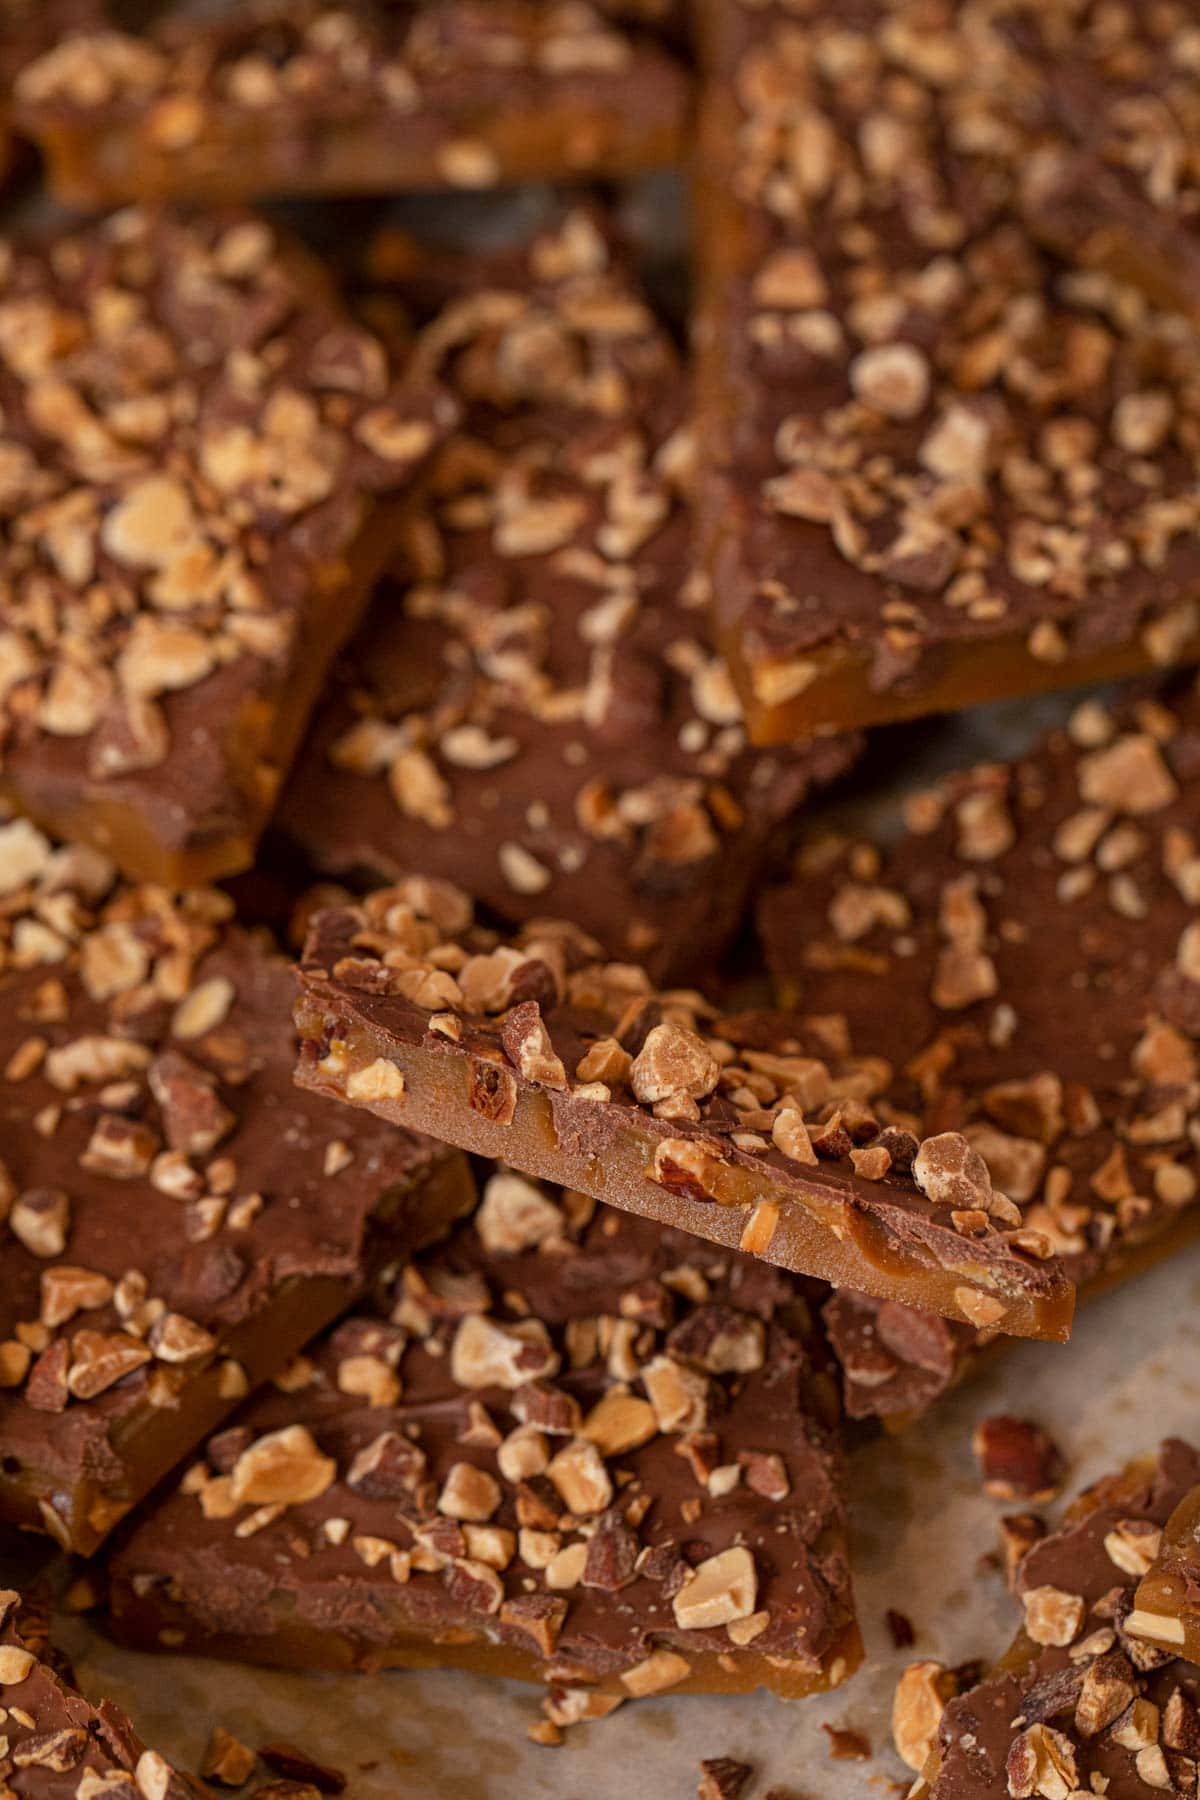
567	1445
942	462
1026	960
1079	1700
536	713
375	97
178	1218
203	463
759	1131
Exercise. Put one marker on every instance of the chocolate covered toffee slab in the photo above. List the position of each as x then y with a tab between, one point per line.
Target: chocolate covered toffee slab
201	469
1079	1705
55	1745
942	464
361	97
178	1218
537	714
759	1131
1027	960
567	1445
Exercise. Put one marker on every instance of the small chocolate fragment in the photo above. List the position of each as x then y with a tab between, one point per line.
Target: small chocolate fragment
723	1778
298	1766
1017	1459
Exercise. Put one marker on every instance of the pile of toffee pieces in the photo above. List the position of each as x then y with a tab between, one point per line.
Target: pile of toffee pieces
416	677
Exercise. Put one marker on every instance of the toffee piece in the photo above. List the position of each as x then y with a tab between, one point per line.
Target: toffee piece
369	96
1028	962
757	1131
537	714
179	1220
1080	1705
58	1746
1167	1604
202	465
567	1446
942	463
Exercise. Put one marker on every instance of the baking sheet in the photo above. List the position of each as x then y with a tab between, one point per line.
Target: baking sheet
921	1526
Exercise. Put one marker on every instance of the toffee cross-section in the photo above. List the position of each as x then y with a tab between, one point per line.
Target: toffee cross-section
756	1131
372	96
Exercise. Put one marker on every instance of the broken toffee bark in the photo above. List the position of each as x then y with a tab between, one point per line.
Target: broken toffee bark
1027	961
1079	1705
537	714
363	97
568	1446
178	1219
942	463
203	461
58	1746
753	1131
1167	1605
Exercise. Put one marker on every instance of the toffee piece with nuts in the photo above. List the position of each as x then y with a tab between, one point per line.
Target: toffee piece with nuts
368	97
757	1131
537	714
566	1446
942	463
203	471
58	1746
1079	1704
178	1218
1027	959
1167	1604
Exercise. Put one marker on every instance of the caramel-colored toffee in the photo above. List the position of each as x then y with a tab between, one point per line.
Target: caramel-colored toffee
370	97
759	1131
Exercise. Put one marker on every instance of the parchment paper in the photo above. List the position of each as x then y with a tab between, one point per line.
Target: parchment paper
1130	1376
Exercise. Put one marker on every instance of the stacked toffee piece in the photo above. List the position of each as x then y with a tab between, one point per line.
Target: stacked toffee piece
473	1293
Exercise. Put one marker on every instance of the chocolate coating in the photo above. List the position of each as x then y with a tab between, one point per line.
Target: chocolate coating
1025	961
941	463
537	714
576	1070
1099	1702
608	1306
199	440
178	1215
